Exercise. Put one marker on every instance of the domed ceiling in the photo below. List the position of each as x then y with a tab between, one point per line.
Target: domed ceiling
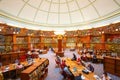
59	13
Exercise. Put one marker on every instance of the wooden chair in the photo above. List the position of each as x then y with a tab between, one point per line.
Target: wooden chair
1	76
57	62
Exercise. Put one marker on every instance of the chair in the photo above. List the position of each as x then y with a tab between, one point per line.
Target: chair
64	74
1	76
18	71
22	58
57	62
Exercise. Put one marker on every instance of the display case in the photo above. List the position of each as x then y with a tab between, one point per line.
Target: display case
50	42
21	43
2	43
8	43
35	42
70	42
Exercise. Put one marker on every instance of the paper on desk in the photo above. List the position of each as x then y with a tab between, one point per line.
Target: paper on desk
97	77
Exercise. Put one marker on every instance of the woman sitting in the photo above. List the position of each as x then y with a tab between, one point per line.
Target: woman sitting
90	67
79	77
63	64
105	76
74	57
83	57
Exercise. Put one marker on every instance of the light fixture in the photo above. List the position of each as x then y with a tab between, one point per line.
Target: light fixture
102	31
17	32
13	32
59	32
116	29
1	27
99	32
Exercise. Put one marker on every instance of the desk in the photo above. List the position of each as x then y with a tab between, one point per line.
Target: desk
16	69
73	64
99	58
37	71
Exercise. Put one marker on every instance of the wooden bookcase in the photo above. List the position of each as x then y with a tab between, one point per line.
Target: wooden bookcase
10	57
112	65
37	71
35	42
70	42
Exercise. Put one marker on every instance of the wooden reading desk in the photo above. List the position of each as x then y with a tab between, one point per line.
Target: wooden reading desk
73	64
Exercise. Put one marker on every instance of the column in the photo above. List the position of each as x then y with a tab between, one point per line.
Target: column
103	39
14	42
29	43
59	45
60	49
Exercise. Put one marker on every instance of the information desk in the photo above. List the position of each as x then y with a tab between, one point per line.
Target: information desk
79	69
112	65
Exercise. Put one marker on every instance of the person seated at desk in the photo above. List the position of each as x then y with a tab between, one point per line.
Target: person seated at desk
52	49
105	76
63	64
29	53
78	61
58	60
0	66
19	66
68	73
94	58
103	54
74	57
79	77
90	67
83	57
17	61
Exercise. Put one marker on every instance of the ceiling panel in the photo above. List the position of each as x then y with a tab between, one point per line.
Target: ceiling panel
104	7
89	13
72	6
35	3
63	8
10	7
76	17
83	3
52	18
28	13
45	6
65	18
54	8
41	17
